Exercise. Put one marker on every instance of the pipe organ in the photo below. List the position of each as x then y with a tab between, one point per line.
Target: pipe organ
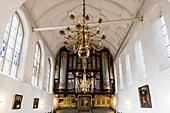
69	71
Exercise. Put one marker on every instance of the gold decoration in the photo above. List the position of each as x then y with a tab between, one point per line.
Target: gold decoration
72	17
84	85
102	101
83	35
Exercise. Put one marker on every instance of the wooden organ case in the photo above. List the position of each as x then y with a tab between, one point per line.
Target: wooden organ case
69	70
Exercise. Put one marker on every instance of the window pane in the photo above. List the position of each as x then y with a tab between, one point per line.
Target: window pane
33	80
6	66
164	30
20	29
128	70
140	61
15	22
168	48
36	81
48	76
37	71
15	59
36	65
7	28
17	47
13	32
13	70
120	75
11	42
35	62
34	71
38	59
36	49
9	54
36	55
19	38
165	39
2	52
6	36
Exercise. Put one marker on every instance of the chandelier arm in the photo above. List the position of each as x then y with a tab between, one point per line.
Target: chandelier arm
96	41
75	35
66	37
76	50
69	38
94	27
95	48
74	31
73	38
93	34
74	22
73	44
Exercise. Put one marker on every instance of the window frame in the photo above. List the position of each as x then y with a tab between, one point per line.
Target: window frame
128	70
8	36
165	34
33	82
121	79
48	77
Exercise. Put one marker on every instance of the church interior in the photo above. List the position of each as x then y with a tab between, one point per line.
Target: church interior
84	56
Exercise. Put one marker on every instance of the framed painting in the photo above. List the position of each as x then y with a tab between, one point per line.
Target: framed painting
144	95
35	104
17	101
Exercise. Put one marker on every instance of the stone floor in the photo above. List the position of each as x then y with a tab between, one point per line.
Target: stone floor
96	110
102	110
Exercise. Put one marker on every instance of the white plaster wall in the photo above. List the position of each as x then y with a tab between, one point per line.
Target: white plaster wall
10	86
157	79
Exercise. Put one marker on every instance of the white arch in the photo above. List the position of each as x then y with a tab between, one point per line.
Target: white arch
51	73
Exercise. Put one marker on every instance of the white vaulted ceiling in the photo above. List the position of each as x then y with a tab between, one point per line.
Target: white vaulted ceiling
56	12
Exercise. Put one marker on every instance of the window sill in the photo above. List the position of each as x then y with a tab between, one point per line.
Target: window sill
7	75
49	92
36	87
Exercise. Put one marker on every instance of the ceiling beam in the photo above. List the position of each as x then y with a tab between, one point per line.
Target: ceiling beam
94	23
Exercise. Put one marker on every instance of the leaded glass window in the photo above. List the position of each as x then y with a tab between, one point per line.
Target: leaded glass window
36	65
165	34
140	61
128	70
48	75
11	47
120	75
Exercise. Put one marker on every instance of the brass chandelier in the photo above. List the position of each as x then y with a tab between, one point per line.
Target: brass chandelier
83	35
85	85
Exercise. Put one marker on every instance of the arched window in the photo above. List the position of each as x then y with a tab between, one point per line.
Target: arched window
165	34
11	47
48	83
160	36
128	70
140	60
116	79
36	65
120	75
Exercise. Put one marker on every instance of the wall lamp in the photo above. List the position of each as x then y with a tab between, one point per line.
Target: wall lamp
1	100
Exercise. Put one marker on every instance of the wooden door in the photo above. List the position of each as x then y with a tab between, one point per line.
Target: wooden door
84	103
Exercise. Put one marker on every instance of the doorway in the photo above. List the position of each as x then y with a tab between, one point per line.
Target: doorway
84	103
